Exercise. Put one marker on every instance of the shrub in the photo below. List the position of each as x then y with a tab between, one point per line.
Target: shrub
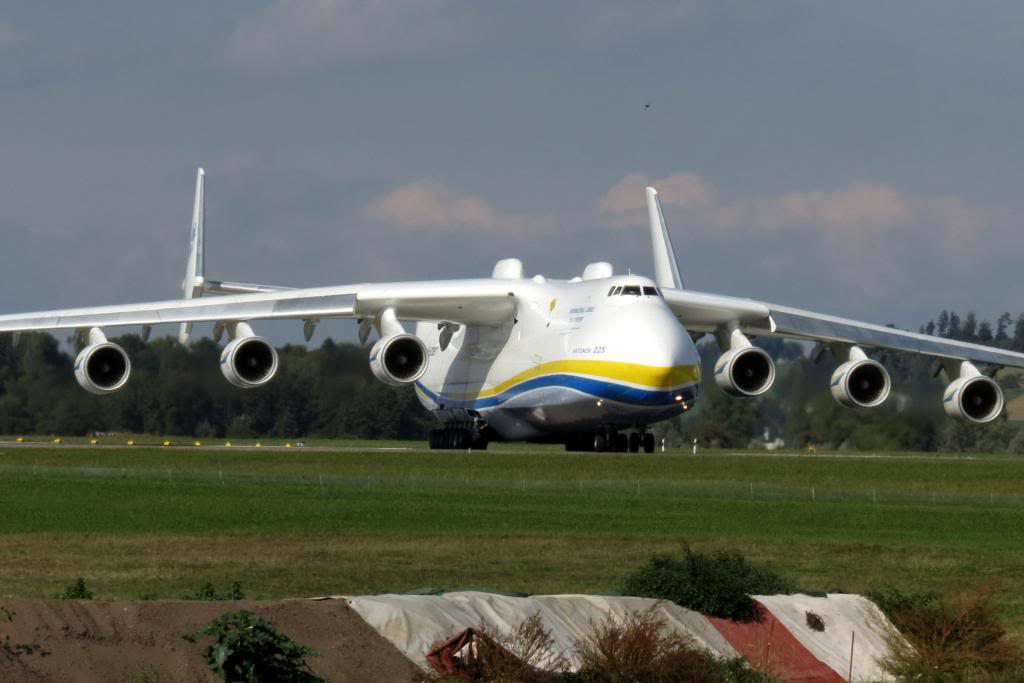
207	592
76	591
950	638
640	649
893	601
520	656
247	648
719	584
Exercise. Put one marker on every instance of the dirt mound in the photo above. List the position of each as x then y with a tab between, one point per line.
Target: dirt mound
80	641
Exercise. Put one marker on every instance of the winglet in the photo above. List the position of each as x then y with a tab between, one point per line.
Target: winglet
192	285
666	273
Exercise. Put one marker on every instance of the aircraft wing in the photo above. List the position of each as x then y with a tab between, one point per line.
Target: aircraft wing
473	302
710	312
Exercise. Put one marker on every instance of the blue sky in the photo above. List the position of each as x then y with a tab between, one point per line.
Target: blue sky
860	158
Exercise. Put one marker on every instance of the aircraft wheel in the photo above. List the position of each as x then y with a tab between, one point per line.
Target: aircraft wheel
634	443
648	442
477	441
620	443
600	443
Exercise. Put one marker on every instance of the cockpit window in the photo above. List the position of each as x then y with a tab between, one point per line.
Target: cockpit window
650	291
611	291
631	290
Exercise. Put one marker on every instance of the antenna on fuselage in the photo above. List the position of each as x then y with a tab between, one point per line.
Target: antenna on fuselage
666	273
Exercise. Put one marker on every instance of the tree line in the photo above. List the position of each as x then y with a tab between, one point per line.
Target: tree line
179	390
329	392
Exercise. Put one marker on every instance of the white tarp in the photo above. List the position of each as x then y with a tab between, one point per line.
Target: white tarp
843	616
416	623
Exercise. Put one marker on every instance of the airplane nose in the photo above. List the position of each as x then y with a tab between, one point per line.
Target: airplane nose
662	344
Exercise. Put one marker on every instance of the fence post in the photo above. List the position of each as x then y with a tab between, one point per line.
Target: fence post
853	637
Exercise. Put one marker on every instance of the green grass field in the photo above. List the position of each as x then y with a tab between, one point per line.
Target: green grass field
298	523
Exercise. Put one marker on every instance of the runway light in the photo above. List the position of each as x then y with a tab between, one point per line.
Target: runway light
20	439
93	442
259	445
167	443
58	440
227	445
288	445
197	444
131	442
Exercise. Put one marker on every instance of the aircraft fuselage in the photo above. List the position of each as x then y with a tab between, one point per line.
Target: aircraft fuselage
580	356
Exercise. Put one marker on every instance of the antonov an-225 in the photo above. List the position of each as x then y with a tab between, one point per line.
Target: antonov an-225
591	362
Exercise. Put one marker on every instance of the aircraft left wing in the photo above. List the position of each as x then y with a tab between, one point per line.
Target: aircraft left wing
723	315
714	313
471	302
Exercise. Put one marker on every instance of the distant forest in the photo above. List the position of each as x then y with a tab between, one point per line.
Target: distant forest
329	392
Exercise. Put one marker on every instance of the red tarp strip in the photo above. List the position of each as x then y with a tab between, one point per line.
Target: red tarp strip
770	647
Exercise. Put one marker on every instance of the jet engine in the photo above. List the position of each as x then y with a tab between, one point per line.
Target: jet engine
398	359
745	372
248	361
102	367
976	399
860	383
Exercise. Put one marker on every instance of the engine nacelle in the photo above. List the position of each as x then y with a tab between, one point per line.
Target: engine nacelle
102	368
398	359
861	383
976	399
745	372
248	361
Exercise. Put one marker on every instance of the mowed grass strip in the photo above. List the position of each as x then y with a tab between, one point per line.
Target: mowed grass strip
539	522
924	475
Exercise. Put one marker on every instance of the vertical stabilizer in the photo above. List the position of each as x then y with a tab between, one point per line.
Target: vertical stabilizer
666	273
192	285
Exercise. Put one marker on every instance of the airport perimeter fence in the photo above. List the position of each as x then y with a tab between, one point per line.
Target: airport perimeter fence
666	488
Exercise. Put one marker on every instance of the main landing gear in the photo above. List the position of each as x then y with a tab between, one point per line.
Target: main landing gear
611	442
457	439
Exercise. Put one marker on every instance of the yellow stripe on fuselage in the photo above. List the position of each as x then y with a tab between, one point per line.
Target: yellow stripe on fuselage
647	376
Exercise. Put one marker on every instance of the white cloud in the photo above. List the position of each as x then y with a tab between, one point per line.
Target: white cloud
427	205
856	211
302	34
853	232
9	36
624	204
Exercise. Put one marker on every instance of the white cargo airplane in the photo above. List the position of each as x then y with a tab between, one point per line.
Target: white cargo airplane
581	361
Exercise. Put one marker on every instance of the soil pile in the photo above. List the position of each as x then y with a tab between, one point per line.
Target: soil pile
85	641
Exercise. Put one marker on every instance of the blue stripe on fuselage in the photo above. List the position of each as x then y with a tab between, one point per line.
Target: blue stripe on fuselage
603	389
